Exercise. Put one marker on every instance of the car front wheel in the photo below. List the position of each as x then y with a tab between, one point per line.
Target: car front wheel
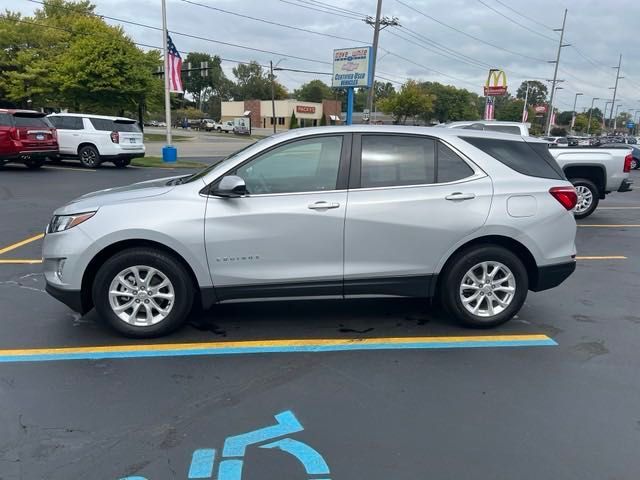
484	286
143	293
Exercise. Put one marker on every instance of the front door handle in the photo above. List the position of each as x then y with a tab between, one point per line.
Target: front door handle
460	196
323	205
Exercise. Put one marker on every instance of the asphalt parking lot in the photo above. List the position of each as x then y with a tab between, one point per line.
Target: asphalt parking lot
553	394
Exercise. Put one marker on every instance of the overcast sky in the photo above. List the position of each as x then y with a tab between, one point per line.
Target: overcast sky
599	30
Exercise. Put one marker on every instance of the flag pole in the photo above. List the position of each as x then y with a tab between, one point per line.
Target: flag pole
167	96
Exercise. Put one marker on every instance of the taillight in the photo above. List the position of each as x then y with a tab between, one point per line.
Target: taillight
567	196
14	133
115	137
627	163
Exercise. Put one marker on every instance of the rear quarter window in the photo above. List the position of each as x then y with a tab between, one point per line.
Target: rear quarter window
5	120
504	129
532	159
107	125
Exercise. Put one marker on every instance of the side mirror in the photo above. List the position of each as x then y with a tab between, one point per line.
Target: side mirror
231	186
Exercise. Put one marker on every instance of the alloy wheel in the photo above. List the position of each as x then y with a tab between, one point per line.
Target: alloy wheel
487	289
585	199
141	295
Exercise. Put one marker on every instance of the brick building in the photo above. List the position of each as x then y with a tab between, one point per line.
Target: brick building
309	114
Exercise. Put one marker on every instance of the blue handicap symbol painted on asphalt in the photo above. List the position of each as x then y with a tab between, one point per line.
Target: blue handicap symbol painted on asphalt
235	447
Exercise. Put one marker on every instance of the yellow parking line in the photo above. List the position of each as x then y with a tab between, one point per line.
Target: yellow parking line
21	243
610	257
20	261
609	226
72	169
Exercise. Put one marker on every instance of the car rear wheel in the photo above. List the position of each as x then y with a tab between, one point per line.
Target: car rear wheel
634	164
143	293
484	286
89	156
122	162
588	197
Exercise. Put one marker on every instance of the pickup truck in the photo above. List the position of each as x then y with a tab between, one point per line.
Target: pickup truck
224	126
595	172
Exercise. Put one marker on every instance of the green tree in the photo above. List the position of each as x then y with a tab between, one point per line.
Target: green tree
597	114
564	118
293	122
202	85
313	91
252	82
537	92
410	102
509	109
383	90
323	121
452	103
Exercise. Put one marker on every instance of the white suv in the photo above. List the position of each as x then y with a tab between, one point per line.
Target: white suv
94	139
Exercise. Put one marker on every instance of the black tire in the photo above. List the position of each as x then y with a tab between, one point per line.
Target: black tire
34	163
122	162
219	129
583	183
453	276
182	286
89	156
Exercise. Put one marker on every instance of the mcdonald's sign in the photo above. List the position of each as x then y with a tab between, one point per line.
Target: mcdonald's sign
496	83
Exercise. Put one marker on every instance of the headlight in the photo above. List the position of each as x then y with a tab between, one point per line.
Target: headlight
60	223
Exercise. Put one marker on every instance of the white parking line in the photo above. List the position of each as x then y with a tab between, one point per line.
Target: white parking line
71	168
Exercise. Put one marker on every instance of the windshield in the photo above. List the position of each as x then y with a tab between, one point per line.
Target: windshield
203	173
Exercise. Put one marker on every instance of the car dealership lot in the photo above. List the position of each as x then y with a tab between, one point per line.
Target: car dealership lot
497	410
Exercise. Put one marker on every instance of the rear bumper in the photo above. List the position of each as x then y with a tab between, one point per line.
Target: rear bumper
626	186
71	298
551	276
25	155
123	155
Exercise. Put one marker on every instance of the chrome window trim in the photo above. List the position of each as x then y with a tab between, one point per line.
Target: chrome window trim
475	176
314	192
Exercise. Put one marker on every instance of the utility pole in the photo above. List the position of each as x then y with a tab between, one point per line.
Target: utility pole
526	99
615	88
378	24
555	71
273	98
591	114
575	102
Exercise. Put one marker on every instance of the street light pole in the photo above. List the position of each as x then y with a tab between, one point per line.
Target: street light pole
374	54
273	98
555	71
575	102
615	118
526	99
591	114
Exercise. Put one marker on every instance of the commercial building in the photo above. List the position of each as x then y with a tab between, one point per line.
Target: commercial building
309	114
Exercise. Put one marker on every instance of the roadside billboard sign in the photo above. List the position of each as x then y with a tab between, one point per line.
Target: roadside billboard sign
496	85
352	68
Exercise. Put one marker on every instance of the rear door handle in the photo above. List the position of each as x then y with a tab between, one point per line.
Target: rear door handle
323	205
460	196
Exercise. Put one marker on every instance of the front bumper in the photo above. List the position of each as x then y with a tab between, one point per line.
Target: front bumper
626	186
551	276
71	298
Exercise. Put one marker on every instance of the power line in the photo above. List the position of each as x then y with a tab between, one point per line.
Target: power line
351	17
334	7
523	15
462	32
516	22
249	17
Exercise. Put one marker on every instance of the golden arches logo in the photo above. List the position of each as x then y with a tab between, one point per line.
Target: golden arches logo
496	83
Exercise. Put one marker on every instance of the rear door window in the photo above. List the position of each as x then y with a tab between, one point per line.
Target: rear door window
67	123
528	158
450	166
5	120
22	120
396	160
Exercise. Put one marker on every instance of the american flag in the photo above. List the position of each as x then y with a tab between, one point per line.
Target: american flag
553	118
175	67
488	109
525	115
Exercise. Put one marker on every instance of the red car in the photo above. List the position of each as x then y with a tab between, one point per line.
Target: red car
26	137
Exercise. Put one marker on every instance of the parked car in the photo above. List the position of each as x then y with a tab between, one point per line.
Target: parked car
27	137
561	142
515	128
595	172
474	218
226	126
94	139
635	152
208	124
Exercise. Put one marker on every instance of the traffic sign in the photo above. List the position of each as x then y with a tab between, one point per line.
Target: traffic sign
630	124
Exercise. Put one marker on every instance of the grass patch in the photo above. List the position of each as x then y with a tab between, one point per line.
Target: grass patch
156	162
159	137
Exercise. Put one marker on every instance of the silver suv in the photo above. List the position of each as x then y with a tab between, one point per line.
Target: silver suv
474	218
